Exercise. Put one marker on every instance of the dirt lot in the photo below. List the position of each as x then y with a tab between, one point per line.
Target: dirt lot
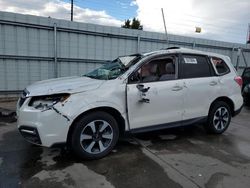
172	158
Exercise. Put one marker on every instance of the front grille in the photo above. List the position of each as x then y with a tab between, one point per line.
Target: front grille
30	134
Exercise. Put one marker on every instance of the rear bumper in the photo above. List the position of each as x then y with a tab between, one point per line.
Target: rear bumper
236	112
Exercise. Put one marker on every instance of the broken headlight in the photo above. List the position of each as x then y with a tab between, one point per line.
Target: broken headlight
48	101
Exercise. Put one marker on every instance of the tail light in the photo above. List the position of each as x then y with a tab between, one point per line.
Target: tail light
238	80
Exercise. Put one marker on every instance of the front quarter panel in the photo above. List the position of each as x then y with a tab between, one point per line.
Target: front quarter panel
111	94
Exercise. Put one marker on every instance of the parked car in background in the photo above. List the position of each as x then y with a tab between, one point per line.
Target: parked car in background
137	93
246	86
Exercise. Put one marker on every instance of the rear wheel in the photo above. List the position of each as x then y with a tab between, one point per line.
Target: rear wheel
219	118
94	135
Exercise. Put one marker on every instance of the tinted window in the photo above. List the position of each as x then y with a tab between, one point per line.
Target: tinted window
194	66
220	65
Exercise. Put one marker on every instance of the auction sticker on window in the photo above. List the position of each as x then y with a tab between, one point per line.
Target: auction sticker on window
190	60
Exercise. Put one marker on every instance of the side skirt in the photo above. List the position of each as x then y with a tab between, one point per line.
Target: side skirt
168	125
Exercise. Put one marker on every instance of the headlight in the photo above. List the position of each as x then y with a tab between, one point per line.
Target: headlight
45	102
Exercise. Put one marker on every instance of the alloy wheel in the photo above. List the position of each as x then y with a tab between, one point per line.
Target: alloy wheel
221	118
96	136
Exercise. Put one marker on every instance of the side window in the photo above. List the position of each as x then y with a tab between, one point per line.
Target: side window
167	69
220	66
160	69
194	66
149	71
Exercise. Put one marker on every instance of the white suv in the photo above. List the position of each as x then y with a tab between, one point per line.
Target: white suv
136	93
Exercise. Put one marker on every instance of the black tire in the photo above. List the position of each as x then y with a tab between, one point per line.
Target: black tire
83	128
215	118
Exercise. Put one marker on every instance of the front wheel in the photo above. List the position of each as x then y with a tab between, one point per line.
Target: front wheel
219	118
94	135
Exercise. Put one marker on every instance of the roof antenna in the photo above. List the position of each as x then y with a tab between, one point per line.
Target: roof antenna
163	17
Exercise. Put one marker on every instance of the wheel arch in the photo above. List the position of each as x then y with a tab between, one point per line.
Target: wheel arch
110	110
226	100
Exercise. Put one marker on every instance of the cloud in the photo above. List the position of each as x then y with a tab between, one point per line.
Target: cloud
58	9
220	20
122	4
133	3
224	20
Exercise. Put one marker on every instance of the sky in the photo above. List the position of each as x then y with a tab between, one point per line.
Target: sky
224	20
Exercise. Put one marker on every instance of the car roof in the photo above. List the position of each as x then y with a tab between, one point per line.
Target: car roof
184	50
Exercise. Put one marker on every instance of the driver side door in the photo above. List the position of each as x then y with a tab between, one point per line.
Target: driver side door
163	95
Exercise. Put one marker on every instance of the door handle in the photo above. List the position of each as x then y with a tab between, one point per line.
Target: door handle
144	100
213	83
177	88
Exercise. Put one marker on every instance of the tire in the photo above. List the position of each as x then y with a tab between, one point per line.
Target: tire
219	118
94	135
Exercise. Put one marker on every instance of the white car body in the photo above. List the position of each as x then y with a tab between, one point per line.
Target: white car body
180	100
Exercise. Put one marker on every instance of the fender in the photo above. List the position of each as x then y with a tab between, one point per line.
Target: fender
100	104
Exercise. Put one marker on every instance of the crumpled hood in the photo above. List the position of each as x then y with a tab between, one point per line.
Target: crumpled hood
63	85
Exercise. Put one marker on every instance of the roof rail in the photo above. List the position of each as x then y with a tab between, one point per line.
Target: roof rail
171	48
136	54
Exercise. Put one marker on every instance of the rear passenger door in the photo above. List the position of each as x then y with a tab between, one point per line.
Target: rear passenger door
201	85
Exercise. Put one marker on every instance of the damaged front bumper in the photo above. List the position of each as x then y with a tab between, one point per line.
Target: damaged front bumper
44	128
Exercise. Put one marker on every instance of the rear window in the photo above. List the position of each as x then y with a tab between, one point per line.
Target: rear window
194	66
220	66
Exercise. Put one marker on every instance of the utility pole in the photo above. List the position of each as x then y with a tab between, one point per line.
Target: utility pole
163	17
238	58
248	34
72	4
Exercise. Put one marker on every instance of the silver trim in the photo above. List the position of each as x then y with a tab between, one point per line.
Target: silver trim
28	131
